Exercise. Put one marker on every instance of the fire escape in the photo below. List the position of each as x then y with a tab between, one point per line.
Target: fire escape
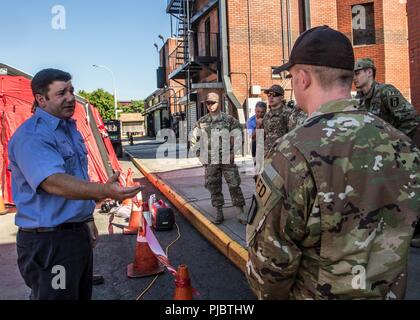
180	66
181	63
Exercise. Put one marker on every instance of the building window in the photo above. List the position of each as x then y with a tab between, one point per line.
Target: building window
363	24
304	15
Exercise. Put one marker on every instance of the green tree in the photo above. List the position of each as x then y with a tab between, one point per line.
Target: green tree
135	107
102	100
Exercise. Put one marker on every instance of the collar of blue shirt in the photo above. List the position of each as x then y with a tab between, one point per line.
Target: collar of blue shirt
51	120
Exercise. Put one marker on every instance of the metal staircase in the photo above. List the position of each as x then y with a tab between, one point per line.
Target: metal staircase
181	10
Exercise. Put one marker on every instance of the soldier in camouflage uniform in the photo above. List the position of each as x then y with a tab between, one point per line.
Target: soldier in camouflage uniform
296	116
274	122
339	196
383	100
219	161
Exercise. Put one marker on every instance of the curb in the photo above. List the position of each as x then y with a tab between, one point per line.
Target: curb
230	248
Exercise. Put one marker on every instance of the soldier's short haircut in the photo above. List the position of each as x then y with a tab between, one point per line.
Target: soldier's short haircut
329	77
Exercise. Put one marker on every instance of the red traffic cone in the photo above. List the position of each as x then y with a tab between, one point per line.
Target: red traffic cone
145	262
183	289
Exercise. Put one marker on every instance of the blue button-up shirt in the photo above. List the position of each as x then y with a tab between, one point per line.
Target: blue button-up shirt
42	146
251	125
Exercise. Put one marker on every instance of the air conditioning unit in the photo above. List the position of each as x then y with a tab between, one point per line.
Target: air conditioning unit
160	76
255	90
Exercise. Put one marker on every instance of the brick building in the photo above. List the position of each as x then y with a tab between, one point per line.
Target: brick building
163	108
232	46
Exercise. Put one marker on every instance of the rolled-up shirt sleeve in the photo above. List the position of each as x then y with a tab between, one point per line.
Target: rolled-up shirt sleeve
37	158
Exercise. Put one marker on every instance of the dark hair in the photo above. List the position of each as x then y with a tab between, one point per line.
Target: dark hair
44	78
374	73
261	104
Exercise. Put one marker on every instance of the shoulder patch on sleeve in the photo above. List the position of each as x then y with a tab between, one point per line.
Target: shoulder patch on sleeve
394	101
263	191
267	194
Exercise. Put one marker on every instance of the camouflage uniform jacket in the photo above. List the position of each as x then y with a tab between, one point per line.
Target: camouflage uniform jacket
275	126
337	204
296	117
386	102
202	133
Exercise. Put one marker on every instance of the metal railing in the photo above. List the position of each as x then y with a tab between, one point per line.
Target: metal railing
203	46
178	57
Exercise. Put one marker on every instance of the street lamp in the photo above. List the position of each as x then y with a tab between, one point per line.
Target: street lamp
161	38
115	88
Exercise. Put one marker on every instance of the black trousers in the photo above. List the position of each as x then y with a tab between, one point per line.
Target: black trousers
254	148
417	230
56	265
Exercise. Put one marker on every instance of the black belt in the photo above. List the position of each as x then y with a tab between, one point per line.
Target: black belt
61	227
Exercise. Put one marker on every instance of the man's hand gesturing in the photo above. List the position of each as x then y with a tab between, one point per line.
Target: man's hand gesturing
115	191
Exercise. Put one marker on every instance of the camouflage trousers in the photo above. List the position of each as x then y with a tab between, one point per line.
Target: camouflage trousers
213	183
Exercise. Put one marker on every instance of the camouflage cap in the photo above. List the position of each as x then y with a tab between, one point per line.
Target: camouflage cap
276	89
364	63
212	97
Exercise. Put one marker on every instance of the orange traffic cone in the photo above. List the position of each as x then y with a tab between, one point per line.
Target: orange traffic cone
136	213
129	183
127	202
145	262
3	209
183	289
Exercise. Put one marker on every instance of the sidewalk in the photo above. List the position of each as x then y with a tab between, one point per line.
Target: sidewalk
182	181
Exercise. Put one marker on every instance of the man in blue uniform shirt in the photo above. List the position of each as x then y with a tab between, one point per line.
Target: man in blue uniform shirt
54	198
254	123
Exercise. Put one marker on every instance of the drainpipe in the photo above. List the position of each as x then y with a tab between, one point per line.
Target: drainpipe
308	14
249	43
289	28
225	61
282	34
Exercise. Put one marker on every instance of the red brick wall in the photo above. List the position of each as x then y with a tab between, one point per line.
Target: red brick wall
413	9
168	48
324	13
256	46
397	66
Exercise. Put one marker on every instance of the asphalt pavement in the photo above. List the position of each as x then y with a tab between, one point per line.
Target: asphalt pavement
148	151
212	274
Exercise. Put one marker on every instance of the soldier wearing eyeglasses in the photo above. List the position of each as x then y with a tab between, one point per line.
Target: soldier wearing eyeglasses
275	122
